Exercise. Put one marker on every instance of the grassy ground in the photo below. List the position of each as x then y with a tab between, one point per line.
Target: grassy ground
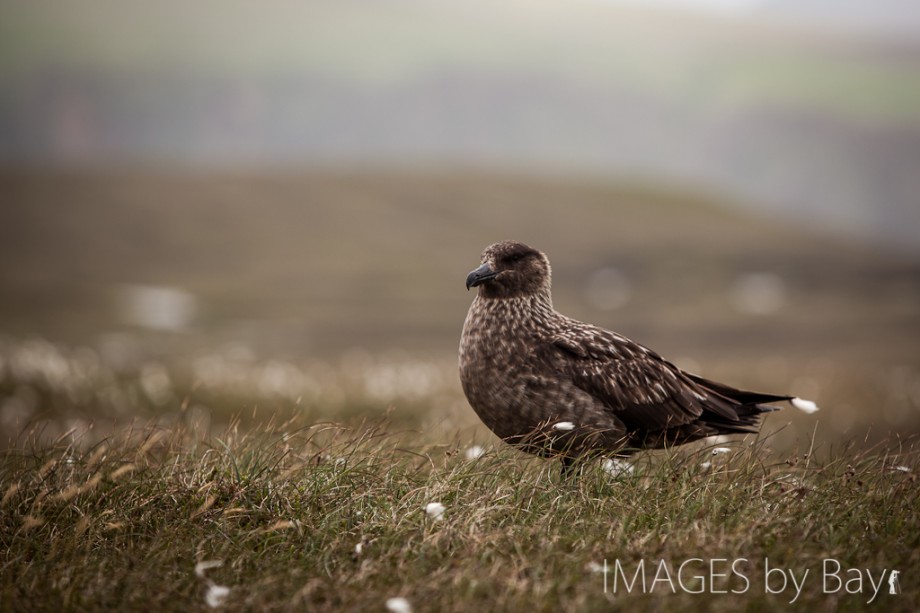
326	517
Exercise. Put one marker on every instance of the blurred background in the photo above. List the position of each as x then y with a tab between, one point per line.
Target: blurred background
228	208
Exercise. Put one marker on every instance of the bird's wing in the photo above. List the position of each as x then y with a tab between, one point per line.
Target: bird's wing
637	385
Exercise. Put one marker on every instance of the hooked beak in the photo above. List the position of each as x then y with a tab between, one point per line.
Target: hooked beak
480	276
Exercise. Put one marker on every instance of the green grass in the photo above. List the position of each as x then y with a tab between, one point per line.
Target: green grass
121	524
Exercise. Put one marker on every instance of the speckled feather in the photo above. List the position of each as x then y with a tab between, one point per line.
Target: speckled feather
525	367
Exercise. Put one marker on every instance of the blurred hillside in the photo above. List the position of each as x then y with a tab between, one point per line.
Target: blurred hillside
796	116
322	262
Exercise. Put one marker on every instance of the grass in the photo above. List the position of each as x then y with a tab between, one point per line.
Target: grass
321	516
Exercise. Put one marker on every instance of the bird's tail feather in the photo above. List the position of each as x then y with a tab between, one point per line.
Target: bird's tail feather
745	407
755	400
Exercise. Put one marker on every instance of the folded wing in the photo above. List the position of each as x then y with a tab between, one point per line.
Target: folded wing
647	393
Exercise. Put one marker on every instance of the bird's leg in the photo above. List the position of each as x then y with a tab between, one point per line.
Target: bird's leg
568	467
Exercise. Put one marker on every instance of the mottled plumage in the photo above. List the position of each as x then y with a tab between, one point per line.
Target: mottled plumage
553	385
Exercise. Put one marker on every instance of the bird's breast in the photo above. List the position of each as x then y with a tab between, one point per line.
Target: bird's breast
495	364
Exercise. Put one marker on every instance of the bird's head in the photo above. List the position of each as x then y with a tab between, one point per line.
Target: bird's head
510	269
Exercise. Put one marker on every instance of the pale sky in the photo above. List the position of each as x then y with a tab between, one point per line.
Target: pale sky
703	5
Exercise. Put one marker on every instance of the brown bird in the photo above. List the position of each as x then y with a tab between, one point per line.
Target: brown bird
555	386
